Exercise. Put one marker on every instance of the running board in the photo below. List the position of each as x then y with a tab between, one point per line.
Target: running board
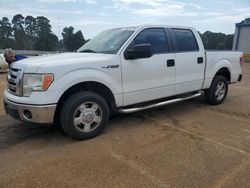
137	109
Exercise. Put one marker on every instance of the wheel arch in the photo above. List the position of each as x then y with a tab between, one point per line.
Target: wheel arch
93	86
224	71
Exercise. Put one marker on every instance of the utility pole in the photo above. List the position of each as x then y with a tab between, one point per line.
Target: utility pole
59	28
59	32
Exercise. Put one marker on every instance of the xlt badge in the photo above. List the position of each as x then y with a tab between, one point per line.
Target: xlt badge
111	67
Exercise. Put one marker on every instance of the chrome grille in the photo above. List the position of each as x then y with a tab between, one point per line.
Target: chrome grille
14	81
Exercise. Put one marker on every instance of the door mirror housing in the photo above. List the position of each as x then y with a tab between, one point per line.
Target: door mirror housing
139	51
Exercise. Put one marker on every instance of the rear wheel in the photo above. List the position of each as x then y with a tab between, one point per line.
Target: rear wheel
84	115
217	92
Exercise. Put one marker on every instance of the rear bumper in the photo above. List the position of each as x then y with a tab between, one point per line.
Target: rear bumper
30	113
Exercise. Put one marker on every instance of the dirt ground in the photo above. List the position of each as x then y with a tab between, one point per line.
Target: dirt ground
189	144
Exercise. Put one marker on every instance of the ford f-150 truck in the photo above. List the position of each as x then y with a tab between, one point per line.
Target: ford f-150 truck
120	70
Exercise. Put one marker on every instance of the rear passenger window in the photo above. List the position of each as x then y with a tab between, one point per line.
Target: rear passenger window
184	40
156	37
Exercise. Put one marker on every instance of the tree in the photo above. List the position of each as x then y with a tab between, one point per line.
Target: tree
60	45
30	26
31	32
5	33
79	40
42	25
5	26
229	41
72	41
68	38
19	33
18	22
45	40
247	20
46	43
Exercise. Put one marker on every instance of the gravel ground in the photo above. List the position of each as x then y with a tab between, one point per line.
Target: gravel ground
189	144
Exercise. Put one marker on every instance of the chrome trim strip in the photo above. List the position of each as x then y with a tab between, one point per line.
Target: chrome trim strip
131	110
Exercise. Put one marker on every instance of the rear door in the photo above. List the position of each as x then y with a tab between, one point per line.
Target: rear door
190	60
150	78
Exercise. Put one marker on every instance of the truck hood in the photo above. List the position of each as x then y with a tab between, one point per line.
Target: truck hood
31	64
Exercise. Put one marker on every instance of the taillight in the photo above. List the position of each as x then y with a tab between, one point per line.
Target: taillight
241	60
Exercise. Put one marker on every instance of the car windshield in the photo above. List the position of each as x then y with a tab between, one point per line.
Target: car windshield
108	42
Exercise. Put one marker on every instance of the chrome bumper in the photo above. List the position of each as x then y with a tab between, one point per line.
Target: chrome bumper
30	113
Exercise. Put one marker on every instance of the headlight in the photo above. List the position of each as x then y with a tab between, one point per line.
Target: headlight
36	82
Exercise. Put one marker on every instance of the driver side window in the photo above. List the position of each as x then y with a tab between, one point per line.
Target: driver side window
156	37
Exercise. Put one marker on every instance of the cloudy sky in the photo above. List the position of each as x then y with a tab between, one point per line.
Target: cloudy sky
93	16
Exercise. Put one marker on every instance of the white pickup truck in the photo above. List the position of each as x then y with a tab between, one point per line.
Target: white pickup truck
120	70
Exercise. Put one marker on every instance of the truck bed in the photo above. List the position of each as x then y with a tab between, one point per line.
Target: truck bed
218	59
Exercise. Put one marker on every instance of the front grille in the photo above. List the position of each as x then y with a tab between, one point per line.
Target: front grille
14	81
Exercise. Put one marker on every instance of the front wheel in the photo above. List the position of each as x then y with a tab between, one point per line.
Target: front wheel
217	92
84	115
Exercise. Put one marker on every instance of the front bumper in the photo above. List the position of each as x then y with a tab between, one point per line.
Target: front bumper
30	113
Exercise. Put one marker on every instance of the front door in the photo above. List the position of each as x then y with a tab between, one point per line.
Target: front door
150	78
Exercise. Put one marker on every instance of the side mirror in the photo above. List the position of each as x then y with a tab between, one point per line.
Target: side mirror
139	51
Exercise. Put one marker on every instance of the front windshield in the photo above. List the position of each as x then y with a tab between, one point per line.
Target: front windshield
109	41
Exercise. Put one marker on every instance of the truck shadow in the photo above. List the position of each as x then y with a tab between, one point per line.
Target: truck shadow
13	132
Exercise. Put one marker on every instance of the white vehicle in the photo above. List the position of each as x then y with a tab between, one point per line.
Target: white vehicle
120	70
3	64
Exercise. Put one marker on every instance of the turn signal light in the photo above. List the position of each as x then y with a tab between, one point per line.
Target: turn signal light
47	80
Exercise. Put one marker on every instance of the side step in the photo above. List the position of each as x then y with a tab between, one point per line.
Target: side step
137	109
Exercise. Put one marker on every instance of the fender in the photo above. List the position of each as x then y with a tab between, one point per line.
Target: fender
72	78
213	67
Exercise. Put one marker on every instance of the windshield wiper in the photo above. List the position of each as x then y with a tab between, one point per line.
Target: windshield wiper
88	51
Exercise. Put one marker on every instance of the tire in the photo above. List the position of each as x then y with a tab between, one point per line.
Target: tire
217	92
84	115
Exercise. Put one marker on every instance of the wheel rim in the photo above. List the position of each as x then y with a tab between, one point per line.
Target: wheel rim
87	117
220	91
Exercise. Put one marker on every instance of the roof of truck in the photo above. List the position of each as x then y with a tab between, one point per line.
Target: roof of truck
156	25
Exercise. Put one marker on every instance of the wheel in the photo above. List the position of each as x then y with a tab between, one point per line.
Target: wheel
217	92
84	115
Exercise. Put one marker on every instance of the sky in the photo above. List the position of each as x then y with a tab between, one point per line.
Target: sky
93	16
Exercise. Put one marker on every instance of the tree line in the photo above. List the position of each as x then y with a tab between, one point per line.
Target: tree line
217	41
29	33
